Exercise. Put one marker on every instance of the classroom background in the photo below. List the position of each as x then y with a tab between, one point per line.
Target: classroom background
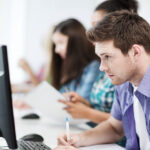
24	26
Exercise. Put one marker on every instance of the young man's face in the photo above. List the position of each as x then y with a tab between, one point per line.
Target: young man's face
118	66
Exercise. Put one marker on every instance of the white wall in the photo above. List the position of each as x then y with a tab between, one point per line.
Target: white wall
25	23
47	13
12	29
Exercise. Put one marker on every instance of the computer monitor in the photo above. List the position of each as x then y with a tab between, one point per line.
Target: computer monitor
7	126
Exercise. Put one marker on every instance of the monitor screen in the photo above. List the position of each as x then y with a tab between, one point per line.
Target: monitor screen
7	127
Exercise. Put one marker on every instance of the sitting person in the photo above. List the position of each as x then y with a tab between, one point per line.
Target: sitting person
74	63
122	42
35	78
98	107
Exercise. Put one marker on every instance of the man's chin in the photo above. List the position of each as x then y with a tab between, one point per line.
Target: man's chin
116	82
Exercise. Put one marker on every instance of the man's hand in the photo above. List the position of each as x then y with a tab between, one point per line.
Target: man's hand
75	140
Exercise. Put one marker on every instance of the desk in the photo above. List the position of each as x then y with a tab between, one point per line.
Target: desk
50	131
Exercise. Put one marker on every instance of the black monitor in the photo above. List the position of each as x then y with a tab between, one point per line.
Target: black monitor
7	126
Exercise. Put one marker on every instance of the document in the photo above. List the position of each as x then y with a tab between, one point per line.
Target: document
103	147
44	98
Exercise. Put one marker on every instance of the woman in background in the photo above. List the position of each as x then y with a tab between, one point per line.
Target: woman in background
43	73
74	63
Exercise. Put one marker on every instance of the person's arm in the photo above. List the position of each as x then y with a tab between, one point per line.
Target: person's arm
82	111
33	78
108	131
21	87
74	97
96	116
26	67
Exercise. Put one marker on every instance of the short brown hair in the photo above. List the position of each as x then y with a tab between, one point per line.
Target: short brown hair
109	6
124	28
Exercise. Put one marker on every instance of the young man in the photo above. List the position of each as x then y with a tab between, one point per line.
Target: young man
122	41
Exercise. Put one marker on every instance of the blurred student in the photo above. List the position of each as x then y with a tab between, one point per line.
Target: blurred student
74	64
122	42
42	74
98	107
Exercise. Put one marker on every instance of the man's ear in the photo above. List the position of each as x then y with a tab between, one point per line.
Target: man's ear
135	51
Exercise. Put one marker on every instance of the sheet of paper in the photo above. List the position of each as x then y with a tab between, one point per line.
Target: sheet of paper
103	147
45	99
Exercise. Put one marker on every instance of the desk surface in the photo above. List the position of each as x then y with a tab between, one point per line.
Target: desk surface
50	130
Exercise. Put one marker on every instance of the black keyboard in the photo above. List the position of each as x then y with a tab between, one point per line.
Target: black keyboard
30	145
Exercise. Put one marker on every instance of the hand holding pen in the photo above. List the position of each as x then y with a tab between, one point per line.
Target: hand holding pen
75	140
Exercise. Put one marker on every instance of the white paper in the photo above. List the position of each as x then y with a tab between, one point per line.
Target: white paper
103	147
44	98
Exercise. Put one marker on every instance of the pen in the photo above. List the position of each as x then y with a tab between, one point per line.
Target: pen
67	94
67	129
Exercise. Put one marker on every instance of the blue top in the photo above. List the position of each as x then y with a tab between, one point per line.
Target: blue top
123	108
102	94
84	83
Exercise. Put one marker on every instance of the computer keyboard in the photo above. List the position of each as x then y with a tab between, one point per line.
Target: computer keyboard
30	145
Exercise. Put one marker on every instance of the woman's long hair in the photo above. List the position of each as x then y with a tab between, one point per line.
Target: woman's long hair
80	52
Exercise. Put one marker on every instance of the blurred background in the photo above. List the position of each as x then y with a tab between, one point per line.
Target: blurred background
25	24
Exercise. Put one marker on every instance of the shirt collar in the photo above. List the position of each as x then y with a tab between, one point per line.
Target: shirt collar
144	86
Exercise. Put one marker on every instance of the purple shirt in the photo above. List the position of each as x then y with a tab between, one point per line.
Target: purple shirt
123	108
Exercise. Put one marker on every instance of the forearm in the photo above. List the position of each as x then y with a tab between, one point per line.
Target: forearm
96	115
33	77
103	133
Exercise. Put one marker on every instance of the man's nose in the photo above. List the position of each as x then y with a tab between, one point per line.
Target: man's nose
102	67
